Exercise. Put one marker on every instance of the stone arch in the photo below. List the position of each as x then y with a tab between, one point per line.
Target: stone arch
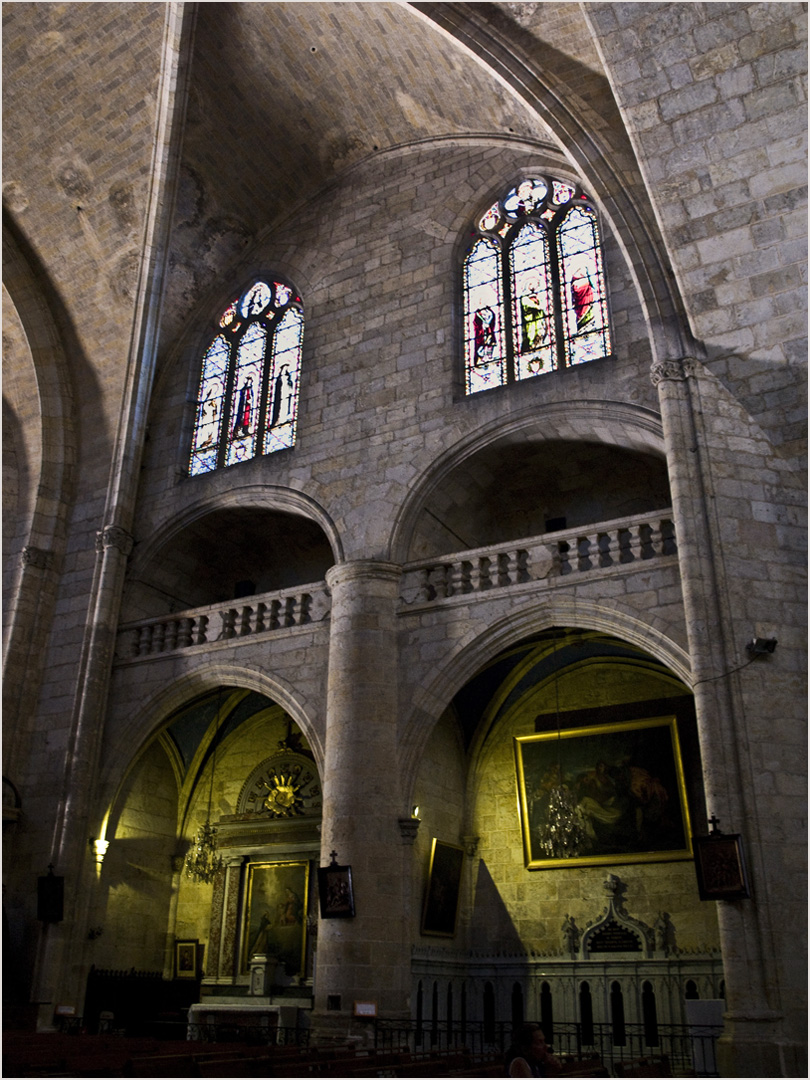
474	650
615	424
143	724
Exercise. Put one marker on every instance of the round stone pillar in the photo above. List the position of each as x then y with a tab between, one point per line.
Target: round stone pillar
365	958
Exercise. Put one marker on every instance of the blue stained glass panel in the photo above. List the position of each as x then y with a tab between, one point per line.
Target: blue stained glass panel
532	303
247	389
485	359
525	198
582	285
282	401
210	400
255	300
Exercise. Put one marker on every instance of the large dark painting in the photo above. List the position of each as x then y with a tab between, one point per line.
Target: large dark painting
618	789
276	913
443	891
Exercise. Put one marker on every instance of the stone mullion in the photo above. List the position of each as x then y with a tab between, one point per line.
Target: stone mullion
743	925
364	958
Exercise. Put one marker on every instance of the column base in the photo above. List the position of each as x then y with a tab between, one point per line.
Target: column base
750	1046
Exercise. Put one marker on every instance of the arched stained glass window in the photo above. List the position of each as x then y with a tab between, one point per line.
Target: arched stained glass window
535	297
247	401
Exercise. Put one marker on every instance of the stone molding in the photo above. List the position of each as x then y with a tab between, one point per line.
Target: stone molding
673	370
360	570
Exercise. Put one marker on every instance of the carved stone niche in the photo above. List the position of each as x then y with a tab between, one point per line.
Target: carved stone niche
615	935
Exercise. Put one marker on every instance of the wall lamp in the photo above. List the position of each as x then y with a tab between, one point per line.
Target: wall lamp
761	646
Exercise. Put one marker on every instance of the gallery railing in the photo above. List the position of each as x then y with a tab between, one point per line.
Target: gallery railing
688	1050
554	555
567	554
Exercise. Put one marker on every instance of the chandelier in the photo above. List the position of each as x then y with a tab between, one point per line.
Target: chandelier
563	834
203	861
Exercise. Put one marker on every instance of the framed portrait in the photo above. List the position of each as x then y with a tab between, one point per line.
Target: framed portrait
335	891
185	959
616	791
720	867
275	909
443	889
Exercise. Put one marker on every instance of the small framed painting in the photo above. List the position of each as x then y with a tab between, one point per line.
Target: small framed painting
185	959
720	867
335	891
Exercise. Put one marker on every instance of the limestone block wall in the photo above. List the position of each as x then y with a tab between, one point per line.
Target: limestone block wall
381	376
714	99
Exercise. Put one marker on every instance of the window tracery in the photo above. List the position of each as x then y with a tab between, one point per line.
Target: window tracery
247	400
535	296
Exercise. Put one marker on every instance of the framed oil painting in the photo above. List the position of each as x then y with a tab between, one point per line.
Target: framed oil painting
276	913
335	891
443	890
615	793
185	959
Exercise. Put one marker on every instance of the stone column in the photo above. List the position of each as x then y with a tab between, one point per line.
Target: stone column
750	1043
364	958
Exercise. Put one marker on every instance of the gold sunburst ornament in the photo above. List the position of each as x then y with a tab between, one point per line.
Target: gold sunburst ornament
283	798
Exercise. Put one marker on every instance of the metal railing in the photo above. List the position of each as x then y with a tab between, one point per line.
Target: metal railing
688	1050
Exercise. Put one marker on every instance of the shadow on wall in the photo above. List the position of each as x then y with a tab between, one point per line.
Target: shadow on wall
492	929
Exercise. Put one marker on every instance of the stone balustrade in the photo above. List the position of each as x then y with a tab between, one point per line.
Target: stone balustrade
554	555
261	614
558	554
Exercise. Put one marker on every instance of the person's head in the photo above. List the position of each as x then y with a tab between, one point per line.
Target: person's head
531	1041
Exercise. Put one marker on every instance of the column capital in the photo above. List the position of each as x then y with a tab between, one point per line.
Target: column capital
114	536
362	570
673	370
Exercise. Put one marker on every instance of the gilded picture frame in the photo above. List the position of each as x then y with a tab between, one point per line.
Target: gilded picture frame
275	920
440	909
624	788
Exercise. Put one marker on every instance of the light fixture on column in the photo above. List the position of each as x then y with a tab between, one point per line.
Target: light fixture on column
203	861
563	834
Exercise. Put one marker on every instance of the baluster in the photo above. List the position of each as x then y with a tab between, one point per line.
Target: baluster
158	636
170	640
504	561
439	580
184	633
275	608
260	610
464	581
135	641
645	533
201	637
522	566
245	621
455	575
635	542
607	547
146	640
586	545
289	611
304	603
562	557
228	624
669	545
485	580
426	590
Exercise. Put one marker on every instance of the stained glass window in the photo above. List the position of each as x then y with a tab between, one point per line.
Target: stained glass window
247	401
535	297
